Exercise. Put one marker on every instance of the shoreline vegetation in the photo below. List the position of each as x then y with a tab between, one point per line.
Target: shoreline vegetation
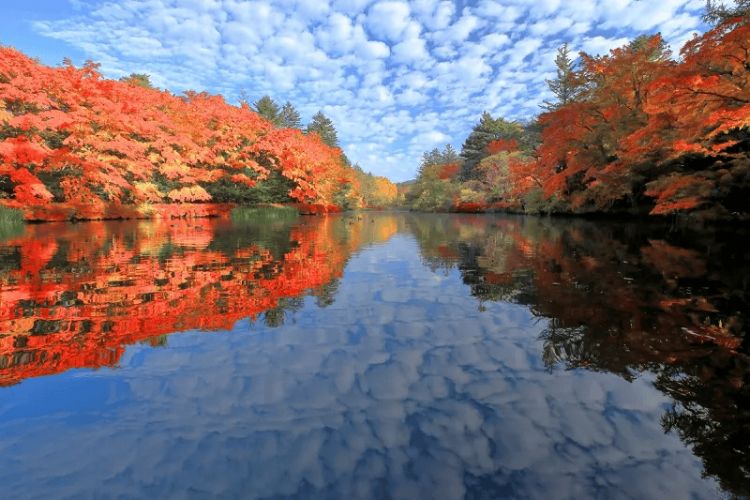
11	223
635	133
77	146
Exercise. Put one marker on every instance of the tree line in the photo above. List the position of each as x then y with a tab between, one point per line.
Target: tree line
75	143
635	131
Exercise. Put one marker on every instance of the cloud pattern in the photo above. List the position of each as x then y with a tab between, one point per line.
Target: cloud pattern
399	389
397	77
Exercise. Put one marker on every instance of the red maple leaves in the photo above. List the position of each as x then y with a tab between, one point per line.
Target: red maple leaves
674	131
70	136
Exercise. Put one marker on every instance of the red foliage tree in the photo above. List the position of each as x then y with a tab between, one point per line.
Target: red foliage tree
72	137
448	171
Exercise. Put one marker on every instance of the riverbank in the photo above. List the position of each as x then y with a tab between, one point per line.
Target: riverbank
66	212
498	208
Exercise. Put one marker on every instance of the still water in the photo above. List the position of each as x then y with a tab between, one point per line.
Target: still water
374	356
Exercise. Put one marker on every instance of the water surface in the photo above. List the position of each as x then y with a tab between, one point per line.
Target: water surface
374	356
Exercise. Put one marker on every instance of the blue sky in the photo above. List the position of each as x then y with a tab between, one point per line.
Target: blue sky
397	77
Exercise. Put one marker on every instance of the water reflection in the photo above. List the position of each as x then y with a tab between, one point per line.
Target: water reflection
73	295
468	356
626	299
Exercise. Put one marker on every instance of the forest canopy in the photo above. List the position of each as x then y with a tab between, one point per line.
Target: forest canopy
69	137
635	131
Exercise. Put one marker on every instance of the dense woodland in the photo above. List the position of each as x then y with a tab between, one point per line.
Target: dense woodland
635	131
76	145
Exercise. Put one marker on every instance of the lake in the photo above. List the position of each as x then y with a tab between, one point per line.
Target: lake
374	355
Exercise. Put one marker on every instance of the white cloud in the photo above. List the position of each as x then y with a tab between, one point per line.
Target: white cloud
433	138
462	28
374	50
388	19
523	48
551	26
410	50
435	15
494	41
599	45
351	6
337	34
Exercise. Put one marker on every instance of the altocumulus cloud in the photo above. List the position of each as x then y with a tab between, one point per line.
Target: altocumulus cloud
397	77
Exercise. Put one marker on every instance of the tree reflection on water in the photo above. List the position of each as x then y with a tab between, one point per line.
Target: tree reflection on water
615	298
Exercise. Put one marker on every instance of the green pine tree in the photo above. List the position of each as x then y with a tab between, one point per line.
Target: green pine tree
323	126
487	130
268	109
717	11
449	155
566	86
289	116
138	79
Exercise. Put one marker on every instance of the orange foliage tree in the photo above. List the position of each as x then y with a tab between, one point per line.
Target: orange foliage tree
69	136
651	134
638	132
699	125
582	142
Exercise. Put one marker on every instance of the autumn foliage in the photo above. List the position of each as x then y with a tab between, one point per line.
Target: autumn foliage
640	132
499	145
448	171
72	139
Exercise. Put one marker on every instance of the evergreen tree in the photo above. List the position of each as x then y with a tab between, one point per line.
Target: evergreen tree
449	155
438	157
429	158
487	130
345	159
531	137
566	86
716	12
139	79
642	43
323	126
289	117
268	109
